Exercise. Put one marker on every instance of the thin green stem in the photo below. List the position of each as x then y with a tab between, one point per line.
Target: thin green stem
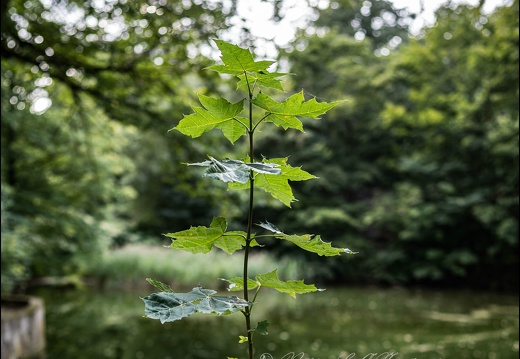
251	131
262	120
240	122
234	235
254	298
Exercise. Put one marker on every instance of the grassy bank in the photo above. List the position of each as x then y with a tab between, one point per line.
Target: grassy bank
131	265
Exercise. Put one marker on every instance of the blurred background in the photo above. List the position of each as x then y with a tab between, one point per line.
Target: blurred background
418	172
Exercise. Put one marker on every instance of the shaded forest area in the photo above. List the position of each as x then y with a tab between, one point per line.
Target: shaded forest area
418	169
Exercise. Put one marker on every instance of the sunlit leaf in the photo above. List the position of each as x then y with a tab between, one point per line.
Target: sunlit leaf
237	284
201	239
219	222
278	186
235	128
315	244
196	239
262	79
215	114
170	306
292	287
231	242
286	113
237	60
308	242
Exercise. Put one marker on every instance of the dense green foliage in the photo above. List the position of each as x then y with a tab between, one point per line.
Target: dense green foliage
59	181
421	167
91	170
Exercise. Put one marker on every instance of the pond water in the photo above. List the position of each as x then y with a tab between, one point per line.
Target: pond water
338	323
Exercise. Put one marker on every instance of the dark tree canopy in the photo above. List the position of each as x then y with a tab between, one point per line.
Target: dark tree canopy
419	170
128	55
96	165
376	20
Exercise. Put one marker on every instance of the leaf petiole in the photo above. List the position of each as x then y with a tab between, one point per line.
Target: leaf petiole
240	122
262	120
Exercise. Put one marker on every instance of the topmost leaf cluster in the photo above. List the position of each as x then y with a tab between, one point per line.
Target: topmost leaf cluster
254	75
240	62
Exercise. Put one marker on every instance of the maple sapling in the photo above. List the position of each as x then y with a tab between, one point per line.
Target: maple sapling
270	175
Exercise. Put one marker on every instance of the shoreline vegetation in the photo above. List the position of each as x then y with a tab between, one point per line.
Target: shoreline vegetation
124	268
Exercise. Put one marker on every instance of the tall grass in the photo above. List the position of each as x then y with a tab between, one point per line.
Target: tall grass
132	264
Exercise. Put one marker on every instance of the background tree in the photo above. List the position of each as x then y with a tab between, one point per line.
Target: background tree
457	199
422	163
112	72
419	168
345	148
377	20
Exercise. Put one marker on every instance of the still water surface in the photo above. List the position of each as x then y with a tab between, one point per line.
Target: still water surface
338	323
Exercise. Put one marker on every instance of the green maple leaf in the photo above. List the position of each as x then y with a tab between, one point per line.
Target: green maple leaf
170	306
235	128
308	242
262	79
240	63
261	327
291	287
237	284
159	285
217	113
197	239
231	242
315	244
201	239
237	60
285	114
277	185
271	280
